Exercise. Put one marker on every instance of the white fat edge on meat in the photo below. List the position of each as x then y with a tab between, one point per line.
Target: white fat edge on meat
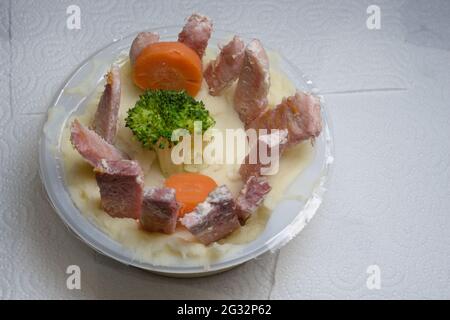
104	165
139	179
220	193
203	209
180	247
149	191
115	85
198	215
167	195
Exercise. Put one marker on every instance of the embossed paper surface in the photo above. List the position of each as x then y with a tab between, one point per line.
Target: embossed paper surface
387	92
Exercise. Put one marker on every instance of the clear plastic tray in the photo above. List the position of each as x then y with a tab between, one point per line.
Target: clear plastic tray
286	221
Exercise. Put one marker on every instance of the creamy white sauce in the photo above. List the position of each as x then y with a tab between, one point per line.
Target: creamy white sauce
179	248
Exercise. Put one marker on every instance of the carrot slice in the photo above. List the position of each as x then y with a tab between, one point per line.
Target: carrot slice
170	66
191	189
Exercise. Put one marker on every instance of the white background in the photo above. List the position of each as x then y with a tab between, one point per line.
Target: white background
388	95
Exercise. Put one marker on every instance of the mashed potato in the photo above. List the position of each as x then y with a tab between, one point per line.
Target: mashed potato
179	248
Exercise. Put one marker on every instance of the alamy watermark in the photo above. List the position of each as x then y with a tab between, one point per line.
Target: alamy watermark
73	281
373	281
229	146
373	22
73	21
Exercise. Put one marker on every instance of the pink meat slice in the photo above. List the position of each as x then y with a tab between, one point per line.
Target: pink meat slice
121	184
221	73
213	219
196	33
159	210
105	121
251	196
91	146
299	114
250	98
142	40
269	144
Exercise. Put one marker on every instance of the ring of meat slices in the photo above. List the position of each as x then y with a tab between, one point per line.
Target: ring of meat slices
120	179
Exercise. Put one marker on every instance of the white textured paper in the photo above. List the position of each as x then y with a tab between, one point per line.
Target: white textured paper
388	94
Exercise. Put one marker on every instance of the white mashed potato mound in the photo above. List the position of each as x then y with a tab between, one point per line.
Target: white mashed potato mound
179	248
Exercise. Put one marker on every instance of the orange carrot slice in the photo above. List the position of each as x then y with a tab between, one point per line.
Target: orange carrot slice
191	189
170	66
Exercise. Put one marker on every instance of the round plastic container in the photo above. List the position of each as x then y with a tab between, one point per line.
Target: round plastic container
286	221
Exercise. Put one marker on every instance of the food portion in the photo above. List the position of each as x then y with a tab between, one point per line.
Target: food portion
299	118
142	40
250	97
254	164
159	210
155	109
191	189
168	66
251	197
105	121
121	184
222	72
298	114
196	33
91	146
156	117
214	218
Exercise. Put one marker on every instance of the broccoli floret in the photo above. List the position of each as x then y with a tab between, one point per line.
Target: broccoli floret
158	113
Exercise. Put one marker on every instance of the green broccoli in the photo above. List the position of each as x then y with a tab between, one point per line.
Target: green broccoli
158	113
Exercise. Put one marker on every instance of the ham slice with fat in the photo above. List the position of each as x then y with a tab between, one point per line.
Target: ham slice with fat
251	196
196	33
105	121
92	147
159	210
121	184
213	219
264	156
223	71
250	97
142	40
299	114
